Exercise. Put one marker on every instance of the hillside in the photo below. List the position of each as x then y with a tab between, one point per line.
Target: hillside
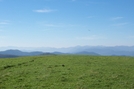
67	72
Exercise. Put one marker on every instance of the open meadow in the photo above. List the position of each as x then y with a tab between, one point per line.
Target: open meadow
67	72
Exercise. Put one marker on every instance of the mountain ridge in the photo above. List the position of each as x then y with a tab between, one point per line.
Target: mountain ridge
88	50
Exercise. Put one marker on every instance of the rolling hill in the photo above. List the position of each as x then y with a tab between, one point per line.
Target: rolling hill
67	72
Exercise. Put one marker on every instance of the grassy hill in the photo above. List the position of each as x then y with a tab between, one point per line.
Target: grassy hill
67	72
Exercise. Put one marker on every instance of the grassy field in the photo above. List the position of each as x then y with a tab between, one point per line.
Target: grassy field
67	72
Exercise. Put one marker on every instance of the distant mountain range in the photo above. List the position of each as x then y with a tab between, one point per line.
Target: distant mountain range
19	53
80	50
86	53
7	56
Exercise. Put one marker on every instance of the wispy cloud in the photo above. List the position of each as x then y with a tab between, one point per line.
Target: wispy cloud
120	24
51	25
1	30
59	25
93	37
73	0
4	22
2	37
116	18
44	10
90	17
131	37
95	2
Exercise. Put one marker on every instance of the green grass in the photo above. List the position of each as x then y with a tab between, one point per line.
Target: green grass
67	72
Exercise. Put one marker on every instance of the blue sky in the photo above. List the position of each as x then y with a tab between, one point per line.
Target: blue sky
66	23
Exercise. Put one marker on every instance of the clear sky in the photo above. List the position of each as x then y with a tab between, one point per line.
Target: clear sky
65	23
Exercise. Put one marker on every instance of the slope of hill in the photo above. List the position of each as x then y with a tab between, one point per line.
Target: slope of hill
67	72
